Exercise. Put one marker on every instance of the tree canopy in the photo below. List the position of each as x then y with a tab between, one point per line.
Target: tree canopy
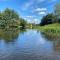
48	19
9	17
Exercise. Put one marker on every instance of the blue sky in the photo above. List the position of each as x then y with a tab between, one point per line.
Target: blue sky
31	10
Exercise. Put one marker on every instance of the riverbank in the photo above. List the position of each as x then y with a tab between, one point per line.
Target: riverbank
51	30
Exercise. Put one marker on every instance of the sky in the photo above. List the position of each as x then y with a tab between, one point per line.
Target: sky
31	10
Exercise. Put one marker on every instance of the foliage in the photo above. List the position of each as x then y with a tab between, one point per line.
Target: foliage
51	30
10	18
48	19
10	14
57	12
52	17
23	23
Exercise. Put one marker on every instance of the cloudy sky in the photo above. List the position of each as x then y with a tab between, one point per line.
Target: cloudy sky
31	10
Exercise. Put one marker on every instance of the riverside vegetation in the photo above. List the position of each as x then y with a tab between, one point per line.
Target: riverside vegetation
50	24
10	19
52	31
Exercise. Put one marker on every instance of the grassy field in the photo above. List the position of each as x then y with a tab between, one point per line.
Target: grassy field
51	30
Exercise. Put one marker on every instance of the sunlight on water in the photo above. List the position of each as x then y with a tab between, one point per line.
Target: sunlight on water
28	45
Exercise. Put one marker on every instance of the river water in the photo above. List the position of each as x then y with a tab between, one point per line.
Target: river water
28	45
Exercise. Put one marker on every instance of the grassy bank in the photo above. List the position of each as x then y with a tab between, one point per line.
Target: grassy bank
51	30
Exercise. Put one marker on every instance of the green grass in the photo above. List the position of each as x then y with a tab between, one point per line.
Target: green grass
51	30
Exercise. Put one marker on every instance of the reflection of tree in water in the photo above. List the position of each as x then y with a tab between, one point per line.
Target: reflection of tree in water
9	35
55	40
57	45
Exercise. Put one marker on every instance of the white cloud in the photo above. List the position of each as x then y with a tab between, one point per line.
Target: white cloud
29	16
40	9
32	19
42	13
36	20
31	3
35	10
27	5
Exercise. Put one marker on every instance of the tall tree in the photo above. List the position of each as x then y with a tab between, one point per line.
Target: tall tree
9	15
57	12
48	19
23	23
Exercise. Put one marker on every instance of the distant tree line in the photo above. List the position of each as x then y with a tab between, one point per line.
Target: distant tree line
10	18
52	17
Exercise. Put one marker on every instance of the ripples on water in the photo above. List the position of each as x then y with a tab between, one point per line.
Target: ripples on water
27	45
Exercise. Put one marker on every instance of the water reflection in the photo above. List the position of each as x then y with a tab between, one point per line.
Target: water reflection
55	40
10	35
27	44
57	45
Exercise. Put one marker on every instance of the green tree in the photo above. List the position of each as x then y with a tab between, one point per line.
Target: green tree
9	15
23	23
48	19
57	12
10	18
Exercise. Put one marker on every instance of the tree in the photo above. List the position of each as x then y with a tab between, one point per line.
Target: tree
10	18
57	12
23	23
48	19
9	15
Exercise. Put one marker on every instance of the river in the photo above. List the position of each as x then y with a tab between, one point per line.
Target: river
28	45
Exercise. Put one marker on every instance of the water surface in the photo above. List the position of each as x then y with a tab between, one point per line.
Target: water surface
27	45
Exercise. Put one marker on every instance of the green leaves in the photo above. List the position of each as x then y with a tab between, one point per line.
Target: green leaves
11	18
48	19
23	23
10	14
